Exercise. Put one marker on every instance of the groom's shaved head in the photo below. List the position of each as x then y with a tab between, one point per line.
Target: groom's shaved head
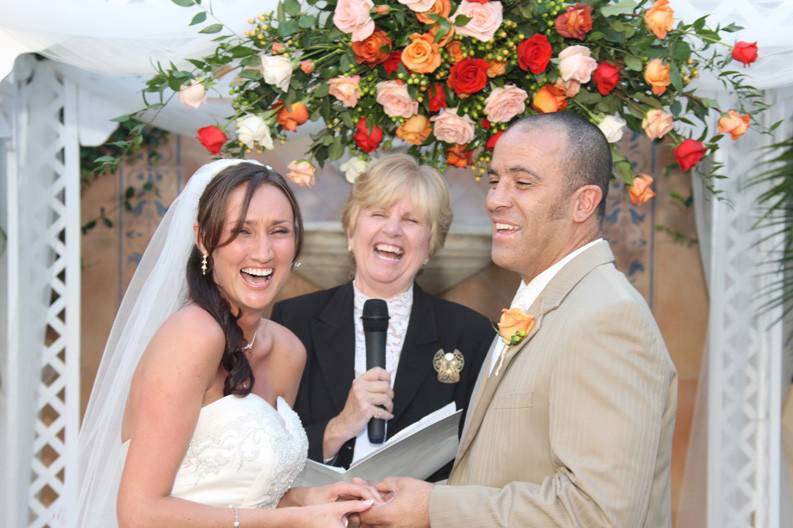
587	156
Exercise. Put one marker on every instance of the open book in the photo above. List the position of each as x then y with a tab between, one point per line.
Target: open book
417	451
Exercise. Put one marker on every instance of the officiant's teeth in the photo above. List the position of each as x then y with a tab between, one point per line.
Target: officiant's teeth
387	248
506	227
258	272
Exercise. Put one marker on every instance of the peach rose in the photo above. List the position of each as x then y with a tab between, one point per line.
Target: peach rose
576	63
505	103
419	6
496	68
641	190
451	128
301	172
396	100
734	123
307	66
193	95
441	8
659	18
415	130
455	49
422	55
485	19
345	89
657	123
656	73
549	98
569	88
514	325
292	117
352	17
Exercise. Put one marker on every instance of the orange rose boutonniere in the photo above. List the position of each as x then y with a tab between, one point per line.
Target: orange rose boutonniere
514	325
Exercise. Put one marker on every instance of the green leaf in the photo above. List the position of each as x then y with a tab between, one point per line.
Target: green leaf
197	63
253	60
674	75
198	18
254	75
306	21
292	7
212	28
321	90
620	8
239	52
680	51
347	120
676	108
633	62
288	28
107	222
183	3
336	150
646	99
461	20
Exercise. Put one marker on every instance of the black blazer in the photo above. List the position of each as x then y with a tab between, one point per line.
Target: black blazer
324	323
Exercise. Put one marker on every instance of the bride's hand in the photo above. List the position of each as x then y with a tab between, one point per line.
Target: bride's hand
334	514
358	489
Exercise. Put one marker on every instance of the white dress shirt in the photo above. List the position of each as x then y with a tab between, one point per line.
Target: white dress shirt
399	308
528	293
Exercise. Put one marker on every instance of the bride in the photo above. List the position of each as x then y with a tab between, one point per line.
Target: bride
201	421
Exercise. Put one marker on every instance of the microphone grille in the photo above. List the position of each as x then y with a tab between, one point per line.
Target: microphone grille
375	315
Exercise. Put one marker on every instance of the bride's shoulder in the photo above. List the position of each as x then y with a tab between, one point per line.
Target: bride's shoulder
191	328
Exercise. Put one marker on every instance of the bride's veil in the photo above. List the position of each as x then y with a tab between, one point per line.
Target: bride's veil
157	289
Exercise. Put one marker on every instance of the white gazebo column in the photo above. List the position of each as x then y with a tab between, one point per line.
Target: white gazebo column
42	295
746	348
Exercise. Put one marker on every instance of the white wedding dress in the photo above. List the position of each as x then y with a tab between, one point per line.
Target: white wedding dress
243	453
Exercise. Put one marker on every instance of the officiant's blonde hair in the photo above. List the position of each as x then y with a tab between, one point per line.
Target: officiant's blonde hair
391	178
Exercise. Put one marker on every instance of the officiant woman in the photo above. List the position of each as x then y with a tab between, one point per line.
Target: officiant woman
396	218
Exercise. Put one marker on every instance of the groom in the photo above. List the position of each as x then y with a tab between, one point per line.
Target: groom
572	424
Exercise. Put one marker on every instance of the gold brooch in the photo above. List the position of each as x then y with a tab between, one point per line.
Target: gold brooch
448	365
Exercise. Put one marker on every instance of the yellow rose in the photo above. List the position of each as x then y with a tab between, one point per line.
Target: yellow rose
659	18
415	130
656	73
514	325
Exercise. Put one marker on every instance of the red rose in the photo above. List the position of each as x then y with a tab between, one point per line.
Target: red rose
468	76
485	123
491	142
478	1
606	77
212	138
367	141
689	153
391	64
745	52
534	53
437	97
575	22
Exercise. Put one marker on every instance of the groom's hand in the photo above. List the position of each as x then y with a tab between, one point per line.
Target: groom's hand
407	507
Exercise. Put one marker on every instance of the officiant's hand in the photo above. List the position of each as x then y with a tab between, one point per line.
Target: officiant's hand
370	397
407	505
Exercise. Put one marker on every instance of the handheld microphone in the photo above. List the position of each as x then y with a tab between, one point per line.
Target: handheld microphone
375	327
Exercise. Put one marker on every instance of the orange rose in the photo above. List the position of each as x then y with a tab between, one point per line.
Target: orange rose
292	117
415	130
458	156
422	54
641	190
496	68
659	18
734	123
575	22
440	8
514	325
656	73
548	99
455	49
372	50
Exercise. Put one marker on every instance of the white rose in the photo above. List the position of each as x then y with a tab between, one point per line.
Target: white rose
251	130
277	71
353	168
612	127
193	95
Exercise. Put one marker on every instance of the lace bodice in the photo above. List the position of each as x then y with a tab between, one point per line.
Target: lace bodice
243	453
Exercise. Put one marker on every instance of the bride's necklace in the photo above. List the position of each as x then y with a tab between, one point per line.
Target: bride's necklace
252	341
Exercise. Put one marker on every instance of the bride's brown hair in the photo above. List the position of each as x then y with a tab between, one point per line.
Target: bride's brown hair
202	288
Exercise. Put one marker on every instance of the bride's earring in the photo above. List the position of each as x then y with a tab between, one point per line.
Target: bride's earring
296	264
204	265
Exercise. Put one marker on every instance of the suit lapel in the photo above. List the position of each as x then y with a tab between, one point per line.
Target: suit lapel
550	298
415	359
335	326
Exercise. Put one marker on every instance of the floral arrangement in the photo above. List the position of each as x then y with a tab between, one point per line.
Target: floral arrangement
446	77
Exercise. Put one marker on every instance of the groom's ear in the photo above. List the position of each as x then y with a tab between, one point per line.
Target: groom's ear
586	200
198	239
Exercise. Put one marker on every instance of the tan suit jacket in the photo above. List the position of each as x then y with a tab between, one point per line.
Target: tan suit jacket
576	428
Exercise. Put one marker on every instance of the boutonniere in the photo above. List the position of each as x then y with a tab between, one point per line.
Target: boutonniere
513	327
448	365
